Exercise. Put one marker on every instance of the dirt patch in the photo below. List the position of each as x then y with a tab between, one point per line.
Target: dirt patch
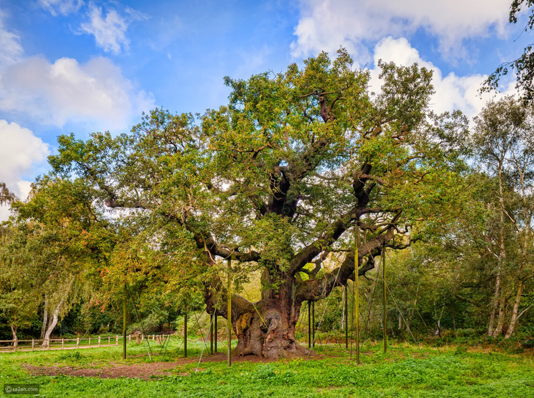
142	370
221	357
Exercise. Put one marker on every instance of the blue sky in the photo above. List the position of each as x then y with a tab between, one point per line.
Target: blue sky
81	66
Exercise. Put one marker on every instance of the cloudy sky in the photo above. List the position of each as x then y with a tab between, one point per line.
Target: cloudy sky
81	66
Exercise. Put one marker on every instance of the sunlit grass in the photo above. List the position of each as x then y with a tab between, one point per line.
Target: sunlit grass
405	371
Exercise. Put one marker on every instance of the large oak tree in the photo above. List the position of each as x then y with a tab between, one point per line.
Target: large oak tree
278	178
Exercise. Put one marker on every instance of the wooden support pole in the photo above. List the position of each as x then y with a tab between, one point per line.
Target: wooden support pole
346	316
356	293
385	299
211	332
117	340
109	340
33	344
99	342
89	341
313	324
77	342
229	314
185	334
62	343
215	334
309	324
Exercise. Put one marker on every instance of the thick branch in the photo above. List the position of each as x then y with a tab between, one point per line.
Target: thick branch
321	288
332	233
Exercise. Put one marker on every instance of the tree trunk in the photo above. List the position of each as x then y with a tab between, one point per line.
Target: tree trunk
52	325
269	332
494	304
502	257
265	328
45	318
515	310
15	339
500	320
55	315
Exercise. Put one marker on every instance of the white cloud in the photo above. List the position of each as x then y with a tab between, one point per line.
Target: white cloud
66	91
10	48
63	7
110	30
328	24
452	91
19	151
95	93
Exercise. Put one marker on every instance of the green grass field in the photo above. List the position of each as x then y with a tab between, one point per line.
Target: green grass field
406	371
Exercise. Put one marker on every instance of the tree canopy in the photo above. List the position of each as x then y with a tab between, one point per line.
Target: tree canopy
277	178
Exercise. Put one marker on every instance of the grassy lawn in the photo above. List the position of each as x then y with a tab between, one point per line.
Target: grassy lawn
406	371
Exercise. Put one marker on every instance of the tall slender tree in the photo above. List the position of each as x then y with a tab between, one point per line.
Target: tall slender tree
504	143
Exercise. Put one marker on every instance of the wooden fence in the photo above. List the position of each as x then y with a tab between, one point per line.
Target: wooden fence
70	344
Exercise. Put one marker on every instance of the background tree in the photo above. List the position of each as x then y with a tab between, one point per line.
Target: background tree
504	144
19	293
523	67
60	239
5	195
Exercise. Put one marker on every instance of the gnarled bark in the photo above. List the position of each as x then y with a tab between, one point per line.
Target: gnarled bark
267	328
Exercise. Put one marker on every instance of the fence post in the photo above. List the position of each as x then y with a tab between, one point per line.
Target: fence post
89	341
62	343
48	345
117	340
129	337
99	341
77	342
33	344
15	344
109	340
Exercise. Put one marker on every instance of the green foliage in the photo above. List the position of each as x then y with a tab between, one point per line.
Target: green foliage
275	180
522	67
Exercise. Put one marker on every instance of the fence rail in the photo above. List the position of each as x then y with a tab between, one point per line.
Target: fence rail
77	343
